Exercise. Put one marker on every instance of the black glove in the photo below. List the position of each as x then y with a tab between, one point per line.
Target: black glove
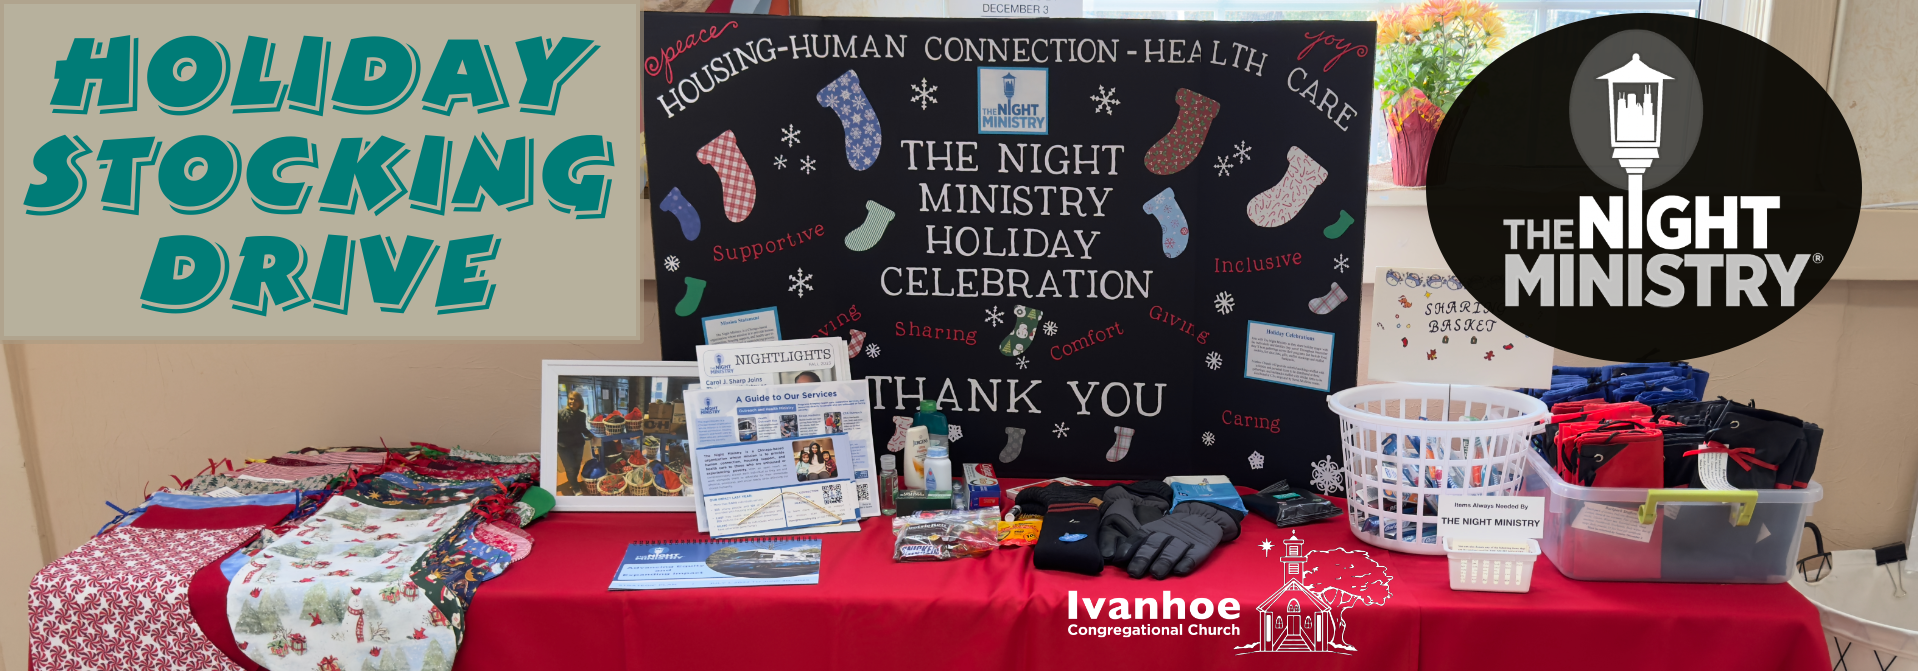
1179	542
1127	509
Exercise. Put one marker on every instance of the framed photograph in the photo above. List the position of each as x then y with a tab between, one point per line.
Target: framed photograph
613	435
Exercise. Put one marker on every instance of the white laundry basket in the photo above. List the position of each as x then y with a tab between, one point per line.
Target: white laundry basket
1391	493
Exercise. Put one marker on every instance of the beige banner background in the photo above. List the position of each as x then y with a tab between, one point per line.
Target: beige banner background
78	274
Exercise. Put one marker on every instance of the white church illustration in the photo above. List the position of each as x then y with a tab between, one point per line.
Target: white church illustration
1293	618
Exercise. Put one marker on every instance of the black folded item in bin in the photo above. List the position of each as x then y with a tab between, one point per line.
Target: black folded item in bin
1288	507
1770	450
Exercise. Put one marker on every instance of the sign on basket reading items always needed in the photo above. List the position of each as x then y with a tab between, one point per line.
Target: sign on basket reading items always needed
1491	517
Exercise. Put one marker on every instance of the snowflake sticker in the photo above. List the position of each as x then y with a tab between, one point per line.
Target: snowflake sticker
1052	328
1105	100
807	165
1059	430
922	93
1242	151
1256	460
1224	166
779	162
872	351
994	316
1021	361
1208	439
1326	476
801	282
1223	302
672	264
1340	263
1213	360
953	433
791	135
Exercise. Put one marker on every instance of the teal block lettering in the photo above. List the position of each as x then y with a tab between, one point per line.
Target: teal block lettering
253	92
506	178
59	161
199	173
393	275
547	69
308	91
187	273
264	174
377	75
115	65
333	287
567	189
270	269
463	284
189	72
465	72
430	174
356	176
123	158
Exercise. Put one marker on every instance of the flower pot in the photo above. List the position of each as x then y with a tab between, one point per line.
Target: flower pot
1411	124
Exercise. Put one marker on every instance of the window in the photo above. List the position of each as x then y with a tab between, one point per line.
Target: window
1523	19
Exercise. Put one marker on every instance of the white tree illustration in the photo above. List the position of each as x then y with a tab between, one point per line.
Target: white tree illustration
1346	578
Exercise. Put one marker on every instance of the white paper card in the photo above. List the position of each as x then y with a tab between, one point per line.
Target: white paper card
1288	355
750	326
1491	516
1427	328
1020	9
1613	521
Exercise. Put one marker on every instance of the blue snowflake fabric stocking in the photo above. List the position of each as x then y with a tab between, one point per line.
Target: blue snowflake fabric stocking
1172	228
683	210
847	100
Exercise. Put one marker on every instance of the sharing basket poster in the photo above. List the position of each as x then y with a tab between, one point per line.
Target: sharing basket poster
1427	328
1105	248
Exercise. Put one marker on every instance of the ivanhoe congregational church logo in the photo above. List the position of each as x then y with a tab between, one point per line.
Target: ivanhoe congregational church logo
1307	614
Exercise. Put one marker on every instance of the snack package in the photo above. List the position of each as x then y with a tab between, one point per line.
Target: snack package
1289	507
938	535
1019	532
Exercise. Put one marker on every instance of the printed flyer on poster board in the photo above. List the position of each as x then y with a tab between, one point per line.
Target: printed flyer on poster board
783	458
1059	232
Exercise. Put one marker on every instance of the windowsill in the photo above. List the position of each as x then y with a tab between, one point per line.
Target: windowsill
1381	192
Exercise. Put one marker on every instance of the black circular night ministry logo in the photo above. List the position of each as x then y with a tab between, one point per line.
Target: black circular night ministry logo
1644	187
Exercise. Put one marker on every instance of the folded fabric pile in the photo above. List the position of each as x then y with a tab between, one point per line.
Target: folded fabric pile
365	558
1648	383
1705	445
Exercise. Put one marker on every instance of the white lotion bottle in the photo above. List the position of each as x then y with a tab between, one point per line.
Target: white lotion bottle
918	441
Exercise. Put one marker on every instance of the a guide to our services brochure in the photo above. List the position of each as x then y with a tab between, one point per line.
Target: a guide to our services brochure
776	452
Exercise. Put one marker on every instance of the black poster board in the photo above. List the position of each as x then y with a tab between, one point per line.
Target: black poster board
1129	335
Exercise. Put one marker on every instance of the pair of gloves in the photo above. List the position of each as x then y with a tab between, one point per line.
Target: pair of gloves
1142	531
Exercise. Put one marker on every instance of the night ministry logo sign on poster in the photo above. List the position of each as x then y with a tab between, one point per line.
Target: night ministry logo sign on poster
298	172
1012	101
1672	201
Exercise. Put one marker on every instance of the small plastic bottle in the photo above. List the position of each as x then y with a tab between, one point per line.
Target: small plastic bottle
960	501
888	483
938	468
918	441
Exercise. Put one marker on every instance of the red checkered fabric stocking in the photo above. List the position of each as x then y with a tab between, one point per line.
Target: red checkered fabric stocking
735	177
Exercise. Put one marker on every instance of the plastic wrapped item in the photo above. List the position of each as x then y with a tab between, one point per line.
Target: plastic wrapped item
1019	532
939	535
1289	507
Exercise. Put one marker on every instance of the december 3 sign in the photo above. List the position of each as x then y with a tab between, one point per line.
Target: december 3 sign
305	171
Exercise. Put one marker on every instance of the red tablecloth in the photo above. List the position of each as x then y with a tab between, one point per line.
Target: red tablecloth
553	610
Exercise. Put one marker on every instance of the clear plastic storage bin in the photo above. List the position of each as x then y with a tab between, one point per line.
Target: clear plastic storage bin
1669	535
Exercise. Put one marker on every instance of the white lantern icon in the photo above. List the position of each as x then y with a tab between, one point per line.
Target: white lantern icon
1637	109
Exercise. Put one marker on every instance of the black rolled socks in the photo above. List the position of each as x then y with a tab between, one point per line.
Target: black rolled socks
1067	511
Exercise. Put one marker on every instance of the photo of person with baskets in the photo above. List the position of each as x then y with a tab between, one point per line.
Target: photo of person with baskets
572	438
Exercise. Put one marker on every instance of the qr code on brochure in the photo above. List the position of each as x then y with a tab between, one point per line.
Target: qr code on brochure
832	493
864	494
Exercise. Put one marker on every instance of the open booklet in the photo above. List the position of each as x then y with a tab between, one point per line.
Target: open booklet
778	459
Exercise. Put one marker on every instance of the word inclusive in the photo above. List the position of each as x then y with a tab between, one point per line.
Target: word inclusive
1619	279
